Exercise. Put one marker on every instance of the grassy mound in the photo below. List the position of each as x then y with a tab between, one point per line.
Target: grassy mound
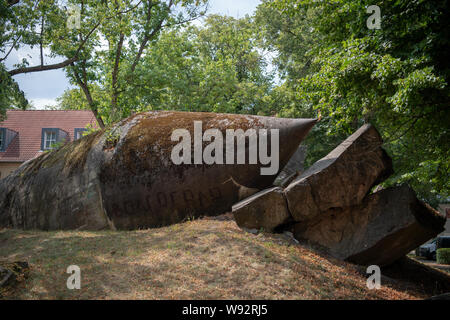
203	259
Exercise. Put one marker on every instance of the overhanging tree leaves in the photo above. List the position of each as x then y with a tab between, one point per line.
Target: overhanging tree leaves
396	77
10	94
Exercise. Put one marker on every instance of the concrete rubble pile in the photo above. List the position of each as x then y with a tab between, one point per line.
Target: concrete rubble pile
331	206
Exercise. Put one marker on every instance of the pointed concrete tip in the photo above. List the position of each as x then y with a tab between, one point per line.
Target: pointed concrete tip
290	124
308	124
299	128
292	131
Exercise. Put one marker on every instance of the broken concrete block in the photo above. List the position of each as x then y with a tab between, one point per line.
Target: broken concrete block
383	228
266	209
125	177
342	178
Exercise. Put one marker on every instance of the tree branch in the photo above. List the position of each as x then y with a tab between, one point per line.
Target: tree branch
56	65
87	93
10	49
116	71
145	39
43	68
71	60
41	40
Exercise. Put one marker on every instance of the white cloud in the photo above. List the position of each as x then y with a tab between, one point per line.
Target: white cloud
235	8
41	103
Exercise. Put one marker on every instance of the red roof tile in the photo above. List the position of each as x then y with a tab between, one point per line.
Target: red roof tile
27	143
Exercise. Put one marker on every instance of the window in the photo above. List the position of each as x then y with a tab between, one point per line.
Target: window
2	140
79	133
6	137
49	137
49	140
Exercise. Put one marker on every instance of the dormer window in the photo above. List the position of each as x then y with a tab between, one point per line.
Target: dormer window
52	136
2	139
6	136
79	133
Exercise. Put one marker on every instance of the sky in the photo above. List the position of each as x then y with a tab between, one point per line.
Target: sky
42	88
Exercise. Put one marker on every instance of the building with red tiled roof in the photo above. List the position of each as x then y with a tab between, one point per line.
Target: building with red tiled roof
26	134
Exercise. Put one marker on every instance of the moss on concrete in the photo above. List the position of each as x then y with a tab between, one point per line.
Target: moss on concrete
71	156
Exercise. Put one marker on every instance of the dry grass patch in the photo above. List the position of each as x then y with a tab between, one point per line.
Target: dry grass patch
202	259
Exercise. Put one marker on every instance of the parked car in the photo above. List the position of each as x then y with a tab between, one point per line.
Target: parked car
428	250
442	242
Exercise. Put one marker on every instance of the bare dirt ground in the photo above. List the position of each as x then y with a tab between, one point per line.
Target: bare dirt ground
203	259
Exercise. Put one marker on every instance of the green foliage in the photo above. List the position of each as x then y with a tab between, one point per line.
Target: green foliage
395	78
90	129
11	97
103	52
112	137
75	99
10	94
216	67
443	256
111	72
55	146
289	37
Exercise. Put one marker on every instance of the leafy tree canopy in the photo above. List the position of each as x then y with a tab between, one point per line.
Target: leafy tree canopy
216	67
100	43
395	77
